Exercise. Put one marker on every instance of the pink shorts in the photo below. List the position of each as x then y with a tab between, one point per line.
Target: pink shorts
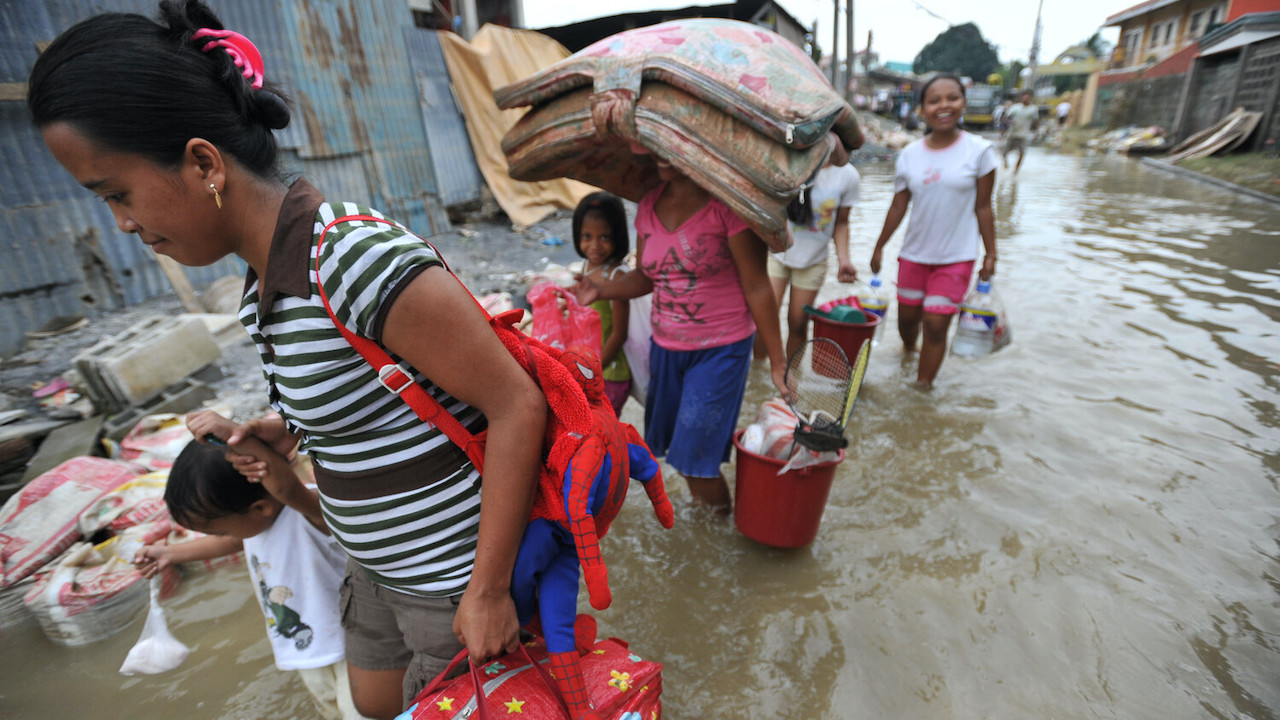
939	288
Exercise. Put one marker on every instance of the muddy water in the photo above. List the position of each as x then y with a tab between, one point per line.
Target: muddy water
1083	525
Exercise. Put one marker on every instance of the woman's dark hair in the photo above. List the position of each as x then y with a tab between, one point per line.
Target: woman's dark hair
203	485
940	76
138	86
610	209
800	209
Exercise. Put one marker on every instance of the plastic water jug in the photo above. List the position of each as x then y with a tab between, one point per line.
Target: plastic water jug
982	327
874	300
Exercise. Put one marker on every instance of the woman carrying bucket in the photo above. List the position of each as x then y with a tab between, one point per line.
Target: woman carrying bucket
948	175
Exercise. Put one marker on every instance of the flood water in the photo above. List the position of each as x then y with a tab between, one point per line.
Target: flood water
1083	525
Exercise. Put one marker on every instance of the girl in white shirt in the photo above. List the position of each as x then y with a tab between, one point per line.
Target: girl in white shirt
818	219
947	177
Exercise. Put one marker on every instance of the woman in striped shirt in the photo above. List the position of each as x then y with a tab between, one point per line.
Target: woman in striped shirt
171	124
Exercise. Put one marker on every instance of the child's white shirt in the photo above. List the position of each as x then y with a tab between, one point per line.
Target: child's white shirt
943	227
834	187
296	571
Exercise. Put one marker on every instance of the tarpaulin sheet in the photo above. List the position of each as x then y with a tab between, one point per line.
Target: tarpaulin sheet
495	57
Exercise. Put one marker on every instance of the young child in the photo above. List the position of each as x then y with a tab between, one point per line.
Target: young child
819	218
295	567
600	237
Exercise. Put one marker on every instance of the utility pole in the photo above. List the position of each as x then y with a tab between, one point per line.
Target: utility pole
1033	61
850	56
835	45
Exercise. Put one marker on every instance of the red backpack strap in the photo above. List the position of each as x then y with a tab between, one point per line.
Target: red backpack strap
396	378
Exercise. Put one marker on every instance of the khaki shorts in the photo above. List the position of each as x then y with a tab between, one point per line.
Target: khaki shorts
1012	143
808	278
388	630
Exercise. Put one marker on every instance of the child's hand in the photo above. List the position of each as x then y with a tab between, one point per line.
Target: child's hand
252	468
153	558
779	376
847	273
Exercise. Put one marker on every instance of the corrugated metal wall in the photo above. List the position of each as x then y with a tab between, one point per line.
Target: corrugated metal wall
60	253
359	134
457	175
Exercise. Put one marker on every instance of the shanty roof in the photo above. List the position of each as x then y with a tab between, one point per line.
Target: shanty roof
1140	9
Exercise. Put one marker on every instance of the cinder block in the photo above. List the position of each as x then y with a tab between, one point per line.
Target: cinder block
181	397
132	367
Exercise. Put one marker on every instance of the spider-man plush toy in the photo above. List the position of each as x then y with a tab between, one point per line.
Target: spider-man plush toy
561	539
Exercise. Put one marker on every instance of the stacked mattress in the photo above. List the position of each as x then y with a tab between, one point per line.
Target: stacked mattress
737	108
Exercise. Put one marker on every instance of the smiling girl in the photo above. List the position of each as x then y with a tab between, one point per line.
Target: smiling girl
600	237
947	177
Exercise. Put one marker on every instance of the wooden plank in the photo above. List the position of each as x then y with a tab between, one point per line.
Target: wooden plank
1226	137
1246	130
181	284
1195	139
13	92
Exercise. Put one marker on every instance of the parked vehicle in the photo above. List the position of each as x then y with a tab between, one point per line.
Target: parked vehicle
980	104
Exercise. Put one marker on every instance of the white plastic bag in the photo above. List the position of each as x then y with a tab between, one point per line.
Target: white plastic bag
157	650
636	347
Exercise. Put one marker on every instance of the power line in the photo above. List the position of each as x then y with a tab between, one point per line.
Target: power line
927	10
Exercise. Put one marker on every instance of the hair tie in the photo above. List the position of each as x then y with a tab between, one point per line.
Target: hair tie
243	52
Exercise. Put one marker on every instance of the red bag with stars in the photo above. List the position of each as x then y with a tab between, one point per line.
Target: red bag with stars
621	684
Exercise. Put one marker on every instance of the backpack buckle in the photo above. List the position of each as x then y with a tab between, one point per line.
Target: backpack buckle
394	377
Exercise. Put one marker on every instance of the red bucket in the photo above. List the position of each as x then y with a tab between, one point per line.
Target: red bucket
849	336
779	510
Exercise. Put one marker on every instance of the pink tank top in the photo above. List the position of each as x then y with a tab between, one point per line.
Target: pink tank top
697	298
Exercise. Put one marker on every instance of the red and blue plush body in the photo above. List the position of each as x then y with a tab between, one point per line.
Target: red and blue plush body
591	458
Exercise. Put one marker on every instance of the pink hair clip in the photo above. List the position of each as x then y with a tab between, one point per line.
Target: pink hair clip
243	52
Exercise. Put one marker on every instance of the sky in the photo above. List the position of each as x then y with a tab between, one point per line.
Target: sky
900	28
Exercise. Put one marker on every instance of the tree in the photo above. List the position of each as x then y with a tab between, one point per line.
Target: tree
959	49
1012	74
1098	47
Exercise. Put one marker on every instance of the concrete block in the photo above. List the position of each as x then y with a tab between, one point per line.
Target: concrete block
132	367
181	397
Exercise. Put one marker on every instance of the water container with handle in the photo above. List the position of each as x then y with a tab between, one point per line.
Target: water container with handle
982	327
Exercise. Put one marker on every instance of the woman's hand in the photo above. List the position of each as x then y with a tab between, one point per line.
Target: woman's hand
486	624
271	430
988	267
206	425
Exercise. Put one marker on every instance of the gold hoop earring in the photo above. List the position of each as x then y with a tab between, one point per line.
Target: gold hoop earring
216	197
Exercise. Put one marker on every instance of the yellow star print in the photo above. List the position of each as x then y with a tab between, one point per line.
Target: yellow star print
445	704
620	680
515	706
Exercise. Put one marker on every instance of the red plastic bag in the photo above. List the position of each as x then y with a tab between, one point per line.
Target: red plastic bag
618	682
559	321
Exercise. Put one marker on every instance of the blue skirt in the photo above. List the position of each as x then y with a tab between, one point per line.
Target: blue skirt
693	402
